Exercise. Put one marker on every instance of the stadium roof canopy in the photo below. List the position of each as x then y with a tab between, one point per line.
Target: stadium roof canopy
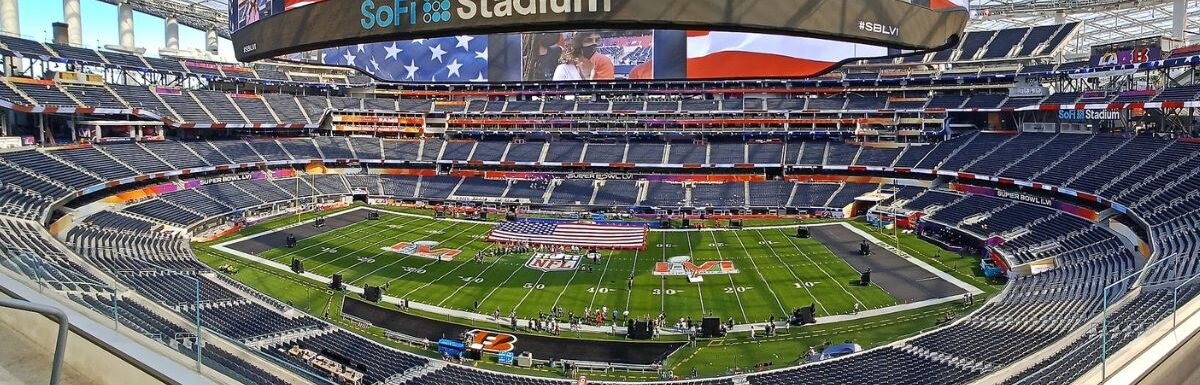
1104	21
198	14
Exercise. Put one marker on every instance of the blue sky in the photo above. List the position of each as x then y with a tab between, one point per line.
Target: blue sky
100	26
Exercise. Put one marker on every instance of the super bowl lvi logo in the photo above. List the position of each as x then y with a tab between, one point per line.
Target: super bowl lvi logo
683	266
424	249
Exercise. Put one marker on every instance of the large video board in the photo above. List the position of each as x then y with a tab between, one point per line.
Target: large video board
268	28
246	12
599	55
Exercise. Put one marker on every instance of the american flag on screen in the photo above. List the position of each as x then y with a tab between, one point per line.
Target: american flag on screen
584	235
455	59
289	5
722	55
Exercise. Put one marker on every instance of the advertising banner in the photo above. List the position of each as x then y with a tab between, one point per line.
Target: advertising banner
1128	52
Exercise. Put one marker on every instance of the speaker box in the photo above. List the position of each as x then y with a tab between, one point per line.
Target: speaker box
804	315
640	330
336	282
297	266
865	280
864	248
686	223
371	293
735	223
802	232
710	327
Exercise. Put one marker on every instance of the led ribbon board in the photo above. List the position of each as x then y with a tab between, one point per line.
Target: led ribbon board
892	23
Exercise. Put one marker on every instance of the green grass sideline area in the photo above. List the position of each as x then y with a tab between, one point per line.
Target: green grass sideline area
777	273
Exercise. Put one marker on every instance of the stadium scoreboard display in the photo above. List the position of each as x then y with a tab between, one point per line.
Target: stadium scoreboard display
268	28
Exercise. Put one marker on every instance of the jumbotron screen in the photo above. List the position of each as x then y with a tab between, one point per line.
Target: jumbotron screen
246	12
598	55
641	29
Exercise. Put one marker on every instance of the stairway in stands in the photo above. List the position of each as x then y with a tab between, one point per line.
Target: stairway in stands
415	373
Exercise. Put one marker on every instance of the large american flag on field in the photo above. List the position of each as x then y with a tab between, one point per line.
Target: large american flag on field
454	59
586	235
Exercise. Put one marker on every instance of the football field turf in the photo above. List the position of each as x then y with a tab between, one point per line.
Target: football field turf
776	272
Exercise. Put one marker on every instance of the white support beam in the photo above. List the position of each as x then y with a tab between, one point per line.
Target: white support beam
210	41
171	33
1179	20
199	14
10	23
125	26
72	15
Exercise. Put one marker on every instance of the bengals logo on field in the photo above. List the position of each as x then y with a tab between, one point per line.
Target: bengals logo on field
492	342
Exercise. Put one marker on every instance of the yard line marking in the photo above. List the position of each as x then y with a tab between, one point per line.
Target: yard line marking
452	237
632	274
386	238
760	275
439	279
568	285
793	272
745	318
531	289
468	282
839	283
691	252
320	238
321	243
595	289
489	295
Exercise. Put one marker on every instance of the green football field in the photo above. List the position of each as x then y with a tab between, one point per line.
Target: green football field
777	272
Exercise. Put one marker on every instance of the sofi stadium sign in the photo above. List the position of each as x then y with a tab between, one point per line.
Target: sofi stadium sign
331	23
399	13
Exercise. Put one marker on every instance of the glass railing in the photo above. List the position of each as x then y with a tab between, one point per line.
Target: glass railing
1118	326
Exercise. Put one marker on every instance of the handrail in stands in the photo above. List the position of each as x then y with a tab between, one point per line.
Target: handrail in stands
60	346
